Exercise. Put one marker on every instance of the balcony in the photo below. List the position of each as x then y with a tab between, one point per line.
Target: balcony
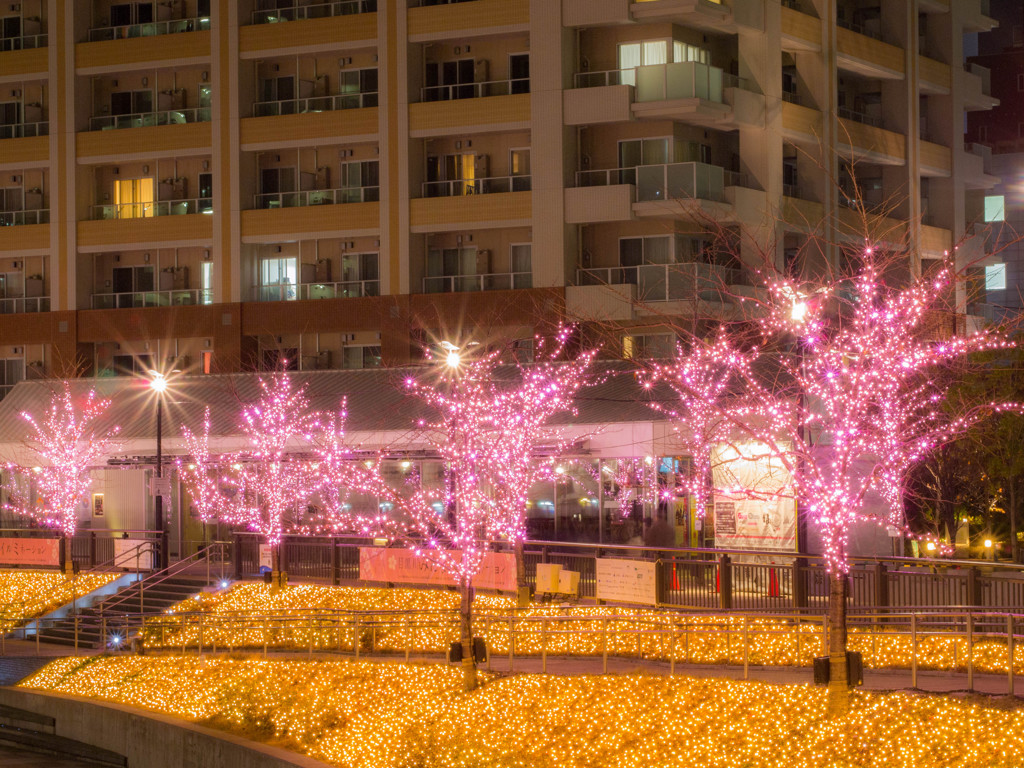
21	218
680	181
485	186
976	86
23	43
496	281
177	298
149	29
317	197
475	90
150	119
333	103
314	11
429	21
667	282
352	289
110	212
25	130
16	306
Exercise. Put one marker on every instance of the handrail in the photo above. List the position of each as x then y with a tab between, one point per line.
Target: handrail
318	290
177	297
493	281
314	11
478	186
150	119
458	91
18	218
306	197
334	102
158	577
137	551
16	305
24	42
108	211
25	130
149	29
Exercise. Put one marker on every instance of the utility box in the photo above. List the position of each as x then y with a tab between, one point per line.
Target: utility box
479	651
854	669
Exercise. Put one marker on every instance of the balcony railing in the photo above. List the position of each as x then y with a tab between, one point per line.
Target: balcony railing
606	177
679	181
25	130
129	300
606	77
859	117
315	11
317	197
475	90
109	211
314	104
149	119
17	218
352	289
485	186
498	281
24	304
667	282
680	80
149	29
860	29
22	43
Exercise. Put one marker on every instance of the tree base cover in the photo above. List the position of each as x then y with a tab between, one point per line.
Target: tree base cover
363	715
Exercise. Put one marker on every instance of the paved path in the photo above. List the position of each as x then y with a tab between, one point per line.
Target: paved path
12	757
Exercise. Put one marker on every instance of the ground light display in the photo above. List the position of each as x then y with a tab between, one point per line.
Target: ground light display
363	715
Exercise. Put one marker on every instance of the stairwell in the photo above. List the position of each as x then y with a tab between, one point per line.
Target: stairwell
108	622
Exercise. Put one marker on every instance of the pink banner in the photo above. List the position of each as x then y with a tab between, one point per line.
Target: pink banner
403	567
30	551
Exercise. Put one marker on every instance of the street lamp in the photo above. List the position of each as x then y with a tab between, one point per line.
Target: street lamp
158	383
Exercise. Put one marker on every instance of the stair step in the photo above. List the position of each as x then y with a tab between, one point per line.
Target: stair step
60	745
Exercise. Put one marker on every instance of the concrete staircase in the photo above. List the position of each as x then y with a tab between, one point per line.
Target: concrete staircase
36	733
139	600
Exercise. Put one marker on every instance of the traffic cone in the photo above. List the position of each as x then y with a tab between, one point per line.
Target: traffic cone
675	577
773	583
718	581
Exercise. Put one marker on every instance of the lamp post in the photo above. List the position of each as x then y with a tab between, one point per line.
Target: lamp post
158	383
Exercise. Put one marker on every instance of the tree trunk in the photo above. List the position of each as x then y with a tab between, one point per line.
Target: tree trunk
1013	519
277	578
522	585
466	635
68	565
838	684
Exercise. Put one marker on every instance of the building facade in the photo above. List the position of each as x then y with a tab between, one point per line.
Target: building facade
213	185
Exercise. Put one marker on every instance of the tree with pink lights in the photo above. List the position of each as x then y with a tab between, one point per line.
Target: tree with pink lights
65	443
491	420
833	380
267	485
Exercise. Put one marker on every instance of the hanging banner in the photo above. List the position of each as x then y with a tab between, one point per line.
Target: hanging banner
766	521
266	558
404	567
30	551
626	581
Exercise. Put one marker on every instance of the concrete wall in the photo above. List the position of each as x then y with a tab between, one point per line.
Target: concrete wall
150	740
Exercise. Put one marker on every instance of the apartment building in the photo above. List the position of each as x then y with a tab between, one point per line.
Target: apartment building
211	185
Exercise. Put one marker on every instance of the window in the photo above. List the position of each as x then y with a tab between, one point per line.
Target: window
276	186
519	169
363	271
451	269
206	193
131	102
124	14
519	72
207	355
278	277
646	52
995	277
358	88
520	261
635	251
452	175
133	198
12	370
995	208
361	180
648	346
206	282
360	357
450	80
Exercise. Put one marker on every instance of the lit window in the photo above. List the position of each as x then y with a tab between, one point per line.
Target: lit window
133	198
995	277
995	208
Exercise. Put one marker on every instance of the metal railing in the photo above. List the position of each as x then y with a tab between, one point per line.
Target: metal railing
18	218
149	29
314	11
317	197
475	90
496	281
341	290
25	130
150	119
177	298
859	117
109	211
18	305
606	177
667	282
23	42
605	77
860	29
679	181
333	103
483	186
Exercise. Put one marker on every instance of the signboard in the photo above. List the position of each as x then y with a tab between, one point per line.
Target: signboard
548	577
404	567
626	581
30	551
762	515
266	558
124	554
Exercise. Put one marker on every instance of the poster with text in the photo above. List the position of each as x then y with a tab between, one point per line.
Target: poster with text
402	566
754	505
626	581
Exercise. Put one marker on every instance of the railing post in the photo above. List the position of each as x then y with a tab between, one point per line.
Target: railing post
237	542
881	585
92	549
746	647
335	563
973	587
544	646
1009	652
800	582
725	583
913	650
970	650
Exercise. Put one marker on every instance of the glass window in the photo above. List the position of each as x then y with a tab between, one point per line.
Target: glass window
206	282
995	208
655	52
995	277
281	275
520	257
